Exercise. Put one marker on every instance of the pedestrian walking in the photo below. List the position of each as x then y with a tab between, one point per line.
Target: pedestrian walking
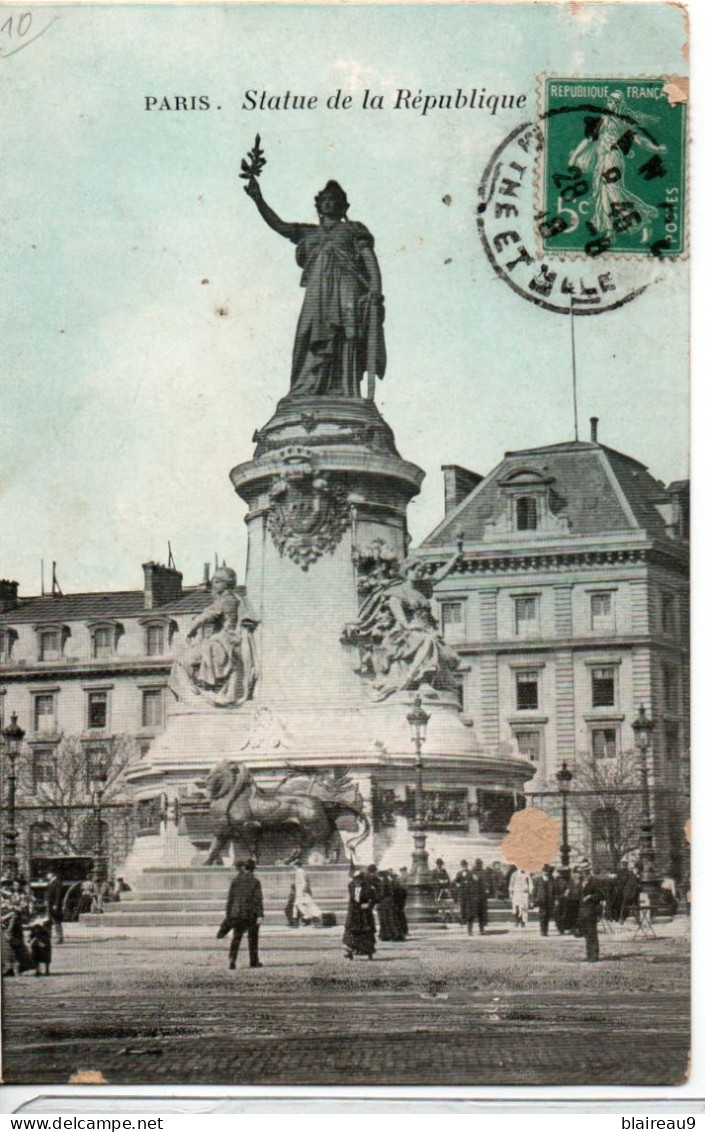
544	897
479	872
244	912
520	895
359	934
53	899
468	888
590	901
399	899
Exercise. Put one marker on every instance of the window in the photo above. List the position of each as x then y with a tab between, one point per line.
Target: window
43	766
601	618
670	688
526	616
604	743
668	613
527	513
529	745
97	764
97	710
50	644
7	639
45	713
527	690
152	707
603	687
103	643
155	640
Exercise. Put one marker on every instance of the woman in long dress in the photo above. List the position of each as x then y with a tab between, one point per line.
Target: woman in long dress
389	922
305	907
359	934
339	335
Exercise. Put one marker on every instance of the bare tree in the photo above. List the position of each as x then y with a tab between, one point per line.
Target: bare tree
62	788
606	792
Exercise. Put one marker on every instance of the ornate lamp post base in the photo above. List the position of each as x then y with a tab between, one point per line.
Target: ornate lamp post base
421	906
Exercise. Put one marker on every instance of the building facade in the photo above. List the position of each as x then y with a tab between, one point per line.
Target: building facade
570	612
86	675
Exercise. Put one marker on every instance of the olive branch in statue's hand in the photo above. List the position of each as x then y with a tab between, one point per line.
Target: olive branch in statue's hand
251	169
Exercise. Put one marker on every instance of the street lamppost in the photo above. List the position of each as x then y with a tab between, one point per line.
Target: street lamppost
13	736
421	907
98	775
643	727
564	780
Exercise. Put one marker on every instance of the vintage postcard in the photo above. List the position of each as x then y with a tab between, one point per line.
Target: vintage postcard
344	669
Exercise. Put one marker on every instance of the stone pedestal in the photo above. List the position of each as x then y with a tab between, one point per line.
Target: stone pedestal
325	483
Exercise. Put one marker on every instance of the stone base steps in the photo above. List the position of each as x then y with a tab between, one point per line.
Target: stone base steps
174	914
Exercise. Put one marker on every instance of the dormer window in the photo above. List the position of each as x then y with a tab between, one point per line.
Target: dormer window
527	516
102	643
158	634
7	640
528	504
51	640
104	638
155	640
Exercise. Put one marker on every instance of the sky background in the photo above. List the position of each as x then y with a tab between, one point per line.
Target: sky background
131	387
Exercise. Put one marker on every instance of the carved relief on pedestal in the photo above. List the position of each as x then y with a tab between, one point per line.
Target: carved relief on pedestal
307	513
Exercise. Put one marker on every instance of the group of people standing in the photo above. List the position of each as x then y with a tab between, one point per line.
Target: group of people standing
371	890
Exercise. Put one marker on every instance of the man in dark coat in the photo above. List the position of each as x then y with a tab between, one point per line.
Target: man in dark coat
478	871
244	912
544	897
467	891
53	898
590	900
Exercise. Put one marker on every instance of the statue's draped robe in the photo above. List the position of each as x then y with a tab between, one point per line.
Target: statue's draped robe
404	648
339	335
222	666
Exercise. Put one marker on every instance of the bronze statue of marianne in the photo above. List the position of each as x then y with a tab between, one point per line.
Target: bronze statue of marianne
339	336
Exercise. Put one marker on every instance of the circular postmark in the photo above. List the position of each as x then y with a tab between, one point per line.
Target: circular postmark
557	219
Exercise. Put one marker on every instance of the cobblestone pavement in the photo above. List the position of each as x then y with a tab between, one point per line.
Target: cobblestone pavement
437	1010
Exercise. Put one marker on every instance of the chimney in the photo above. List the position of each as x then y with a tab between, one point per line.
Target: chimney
594	421
162	585
8	595
206	573
458	483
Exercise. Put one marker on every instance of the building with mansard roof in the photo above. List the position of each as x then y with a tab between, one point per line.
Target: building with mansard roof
570	612
87	668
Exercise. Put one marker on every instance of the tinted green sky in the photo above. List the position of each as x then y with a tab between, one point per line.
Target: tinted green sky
127	396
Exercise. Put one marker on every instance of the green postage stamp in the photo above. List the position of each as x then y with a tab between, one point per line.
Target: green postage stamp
613	168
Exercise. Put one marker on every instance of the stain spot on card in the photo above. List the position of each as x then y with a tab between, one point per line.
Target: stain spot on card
676	89
222	312
87	1077
447	199
204	282
532	840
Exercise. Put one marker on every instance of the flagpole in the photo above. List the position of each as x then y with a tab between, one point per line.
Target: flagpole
575	378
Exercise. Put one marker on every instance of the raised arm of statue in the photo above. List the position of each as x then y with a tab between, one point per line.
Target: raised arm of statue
281	227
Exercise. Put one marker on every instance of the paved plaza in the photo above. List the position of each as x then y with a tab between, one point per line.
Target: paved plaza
509	1007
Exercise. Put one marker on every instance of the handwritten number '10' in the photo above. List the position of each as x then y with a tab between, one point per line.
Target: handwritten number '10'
24	25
